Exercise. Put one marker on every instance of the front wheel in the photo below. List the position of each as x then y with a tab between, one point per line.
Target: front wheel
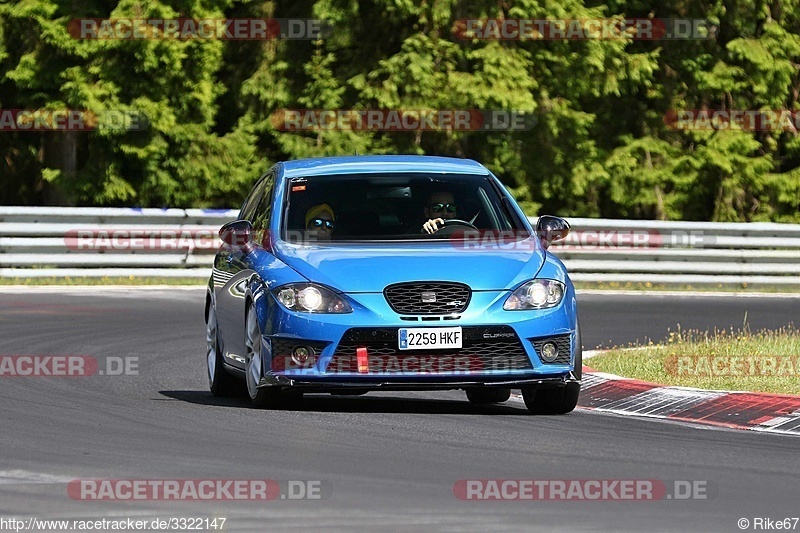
219	381
555	401
578	370
254	363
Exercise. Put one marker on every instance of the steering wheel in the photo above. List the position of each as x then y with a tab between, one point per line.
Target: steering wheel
457	222
452	226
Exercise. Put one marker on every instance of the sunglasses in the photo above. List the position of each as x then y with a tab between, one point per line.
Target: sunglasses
319	222
439	208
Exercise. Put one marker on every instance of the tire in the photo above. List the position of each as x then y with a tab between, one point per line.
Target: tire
260	397
578	371
553	401
483	396
220	382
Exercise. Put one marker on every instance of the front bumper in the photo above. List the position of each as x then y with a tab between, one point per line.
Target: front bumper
376	383
332	337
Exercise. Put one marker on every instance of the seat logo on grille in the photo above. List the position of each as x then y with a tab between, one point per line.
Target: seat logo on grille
428	297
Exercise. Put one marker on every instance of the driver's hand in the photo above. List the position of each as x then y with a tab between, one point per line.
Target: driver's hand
431	226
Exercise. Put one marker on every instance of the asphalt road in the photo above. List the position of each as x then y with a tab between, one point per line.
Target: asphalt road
386	461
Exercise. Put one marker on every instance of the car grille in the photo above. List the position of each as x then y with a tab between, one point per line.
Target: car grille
428	298
484	348
562	342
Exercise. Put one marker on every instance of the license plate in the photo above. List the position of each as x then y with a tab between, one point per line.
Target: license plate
429	338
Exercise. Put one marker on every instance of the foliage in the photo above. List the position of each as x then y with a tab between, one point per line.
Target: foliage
600	145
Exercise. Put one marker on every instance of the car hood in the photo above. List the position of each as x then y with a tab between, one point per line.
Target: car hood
355	268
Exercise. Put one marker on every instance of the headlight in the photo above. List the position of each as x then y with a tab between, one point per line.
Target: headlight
310	298
535	294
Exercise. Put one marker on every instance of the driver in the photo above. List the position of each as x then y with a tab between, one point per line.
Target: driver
440	206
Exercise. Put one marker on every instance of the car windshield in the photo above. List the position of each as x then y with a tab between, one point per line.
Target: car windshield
395	207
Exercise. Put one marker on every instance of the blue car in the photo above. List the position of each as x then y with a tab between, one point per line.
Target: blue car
346	275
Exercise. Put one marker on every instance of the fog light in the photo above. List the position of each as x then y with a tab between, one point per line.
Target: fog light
549	352
300	355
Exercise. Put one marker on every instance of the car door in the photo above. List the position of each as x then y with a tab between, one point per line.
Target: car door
234	266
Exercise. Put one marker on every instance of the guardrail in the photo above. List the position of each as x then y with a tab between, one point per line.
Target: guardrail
63	241
603	250
85	242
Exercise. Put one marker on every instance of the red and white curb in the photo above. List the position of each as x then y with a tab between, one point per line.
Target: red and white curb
771	413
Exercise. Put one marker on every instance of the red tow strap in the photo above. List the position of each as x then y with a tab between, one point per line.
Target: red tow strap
363	360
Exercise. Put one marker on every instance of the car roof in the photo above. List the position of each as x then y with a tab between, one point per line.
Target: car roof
371	164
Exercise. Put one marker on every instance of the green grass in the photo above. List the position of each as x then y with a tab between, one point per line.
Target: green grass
685	287
107	280
764	361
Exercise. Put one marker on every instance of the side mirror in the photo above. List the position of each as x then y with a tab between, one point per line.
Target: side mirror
550	229
237	234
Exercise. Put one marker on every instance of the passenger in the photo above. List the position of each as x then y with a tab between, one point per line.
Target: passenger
320	221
